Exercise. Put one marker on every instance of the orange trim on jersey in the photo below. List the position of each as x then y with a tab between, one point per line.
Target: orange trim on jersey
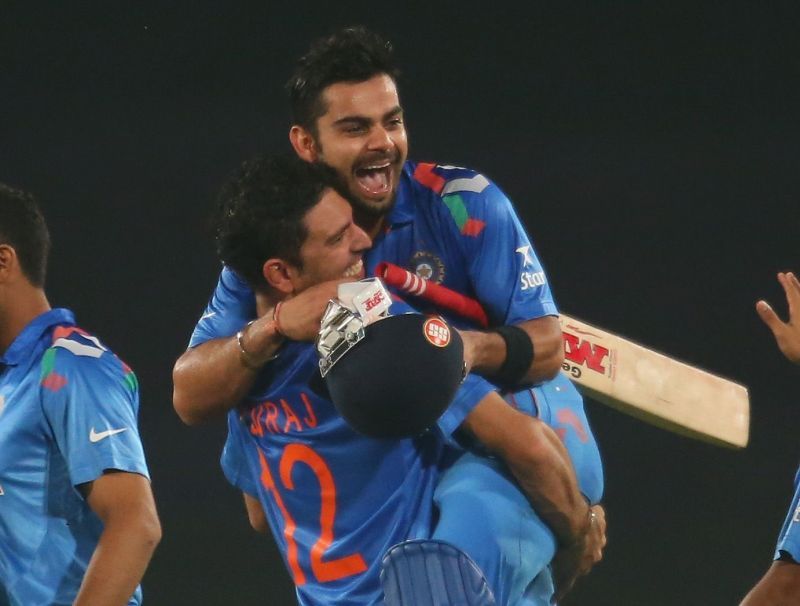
290	526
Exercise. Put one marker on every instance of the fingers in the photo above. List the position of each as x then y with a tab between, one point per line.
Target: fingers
787	334
600	522
791	287
768	315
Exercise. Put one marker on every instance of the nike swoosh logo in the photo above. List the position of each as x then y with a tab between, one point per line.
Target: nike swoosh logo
95	436
208	315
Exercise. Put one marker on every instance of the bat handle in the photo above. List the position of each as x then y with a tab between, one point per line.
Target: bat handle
442	297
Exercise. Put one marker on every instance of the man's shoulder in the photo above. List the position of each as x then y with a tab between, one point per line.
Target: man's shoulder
465	196
446	179
75	352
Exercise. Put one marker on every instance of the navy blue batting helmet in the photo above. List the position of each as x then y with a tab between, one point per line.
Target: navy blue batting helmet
399	379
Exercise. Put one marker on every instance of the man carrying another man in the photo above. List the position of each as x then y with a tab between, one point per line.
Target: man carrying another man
457	227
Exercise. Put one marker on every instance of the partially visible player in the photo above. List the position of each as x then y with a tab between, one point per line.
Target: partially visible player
335	500
781	583
78	524
787	334
449	224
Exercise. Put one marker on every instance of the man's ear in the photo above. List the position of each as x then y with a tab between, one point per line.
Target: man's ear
8	262
303	143
279	275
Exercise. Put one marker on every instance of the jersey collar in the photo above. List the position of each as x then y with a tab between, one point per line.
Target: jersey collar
24	343
402	212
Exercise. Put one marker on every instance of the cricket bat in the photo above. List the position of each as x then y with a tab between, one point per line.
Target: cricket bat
622	374
653	387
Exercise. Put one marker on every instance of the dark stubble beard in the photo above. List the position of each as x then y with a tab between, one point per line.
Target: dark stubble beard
371	211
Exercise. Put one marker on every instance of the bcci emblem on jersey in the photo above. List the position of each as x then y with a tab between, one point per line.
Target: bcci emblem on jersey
428	266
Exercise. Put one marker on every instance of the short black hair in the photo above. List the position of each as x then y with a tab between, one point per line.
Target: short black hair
260	211
352	54
22	226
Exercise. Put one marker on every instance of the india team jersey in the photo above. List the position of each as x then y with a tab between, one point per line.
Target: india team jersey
449	225
68	410
789	537
454	227
335	500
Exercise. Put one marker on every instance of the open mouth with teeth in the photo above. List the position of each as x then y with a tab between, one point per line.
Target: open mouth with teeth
375	179
356	270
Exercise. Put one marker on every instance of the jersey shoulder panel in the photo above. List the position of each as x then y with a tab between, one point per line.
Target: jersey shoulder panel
467	197
73	351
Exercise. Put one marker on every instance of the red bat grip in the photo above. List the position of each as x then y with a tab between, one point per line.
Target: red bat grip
441	296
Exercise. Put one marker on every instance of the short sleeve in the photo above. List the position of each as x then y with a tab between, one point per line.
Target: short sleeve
231	307
234	460
90	399
505	272
469	394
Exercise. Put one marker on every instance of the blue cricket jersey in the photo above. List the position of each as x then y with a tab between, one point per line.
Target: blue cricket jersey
68	410
789	537
452	226
455	227
335	500
449	225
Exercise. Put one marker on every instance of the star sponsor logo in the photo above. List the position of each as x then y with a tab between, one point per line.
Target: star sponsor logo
531	279
525	251
437	332
96	436
428	266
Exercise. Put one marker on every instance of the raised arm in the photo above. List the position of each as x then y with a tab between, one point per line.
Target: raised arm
209	379
787	334
212	377
781	583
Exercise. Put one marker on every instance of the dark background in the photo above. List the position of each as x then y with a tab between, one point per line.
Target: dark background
651	149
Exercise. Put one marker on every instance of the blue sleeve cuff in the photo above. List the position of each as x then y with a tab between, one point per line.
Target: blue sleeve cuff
472	391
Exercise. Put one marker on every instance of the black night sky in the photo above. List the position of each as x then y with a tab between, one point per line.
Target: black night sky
651	149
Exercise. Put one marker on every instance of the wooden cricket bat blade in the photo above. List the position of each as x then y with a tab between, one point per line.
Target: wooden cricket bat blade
653	387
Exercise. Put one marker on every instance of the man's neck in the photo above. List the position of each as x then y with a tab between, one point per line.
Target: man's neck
370	223
264	302
28	304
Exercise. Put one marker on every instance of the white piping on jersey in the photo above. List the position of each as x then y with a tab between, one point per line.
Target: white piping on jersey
79	349
476	183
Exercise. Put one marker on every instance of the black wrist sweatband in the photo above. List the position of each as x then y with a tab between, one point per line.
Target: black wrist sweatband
519	355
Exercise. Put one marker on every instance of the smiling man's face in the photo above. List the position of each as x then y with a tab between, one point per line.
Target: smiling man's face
333	246
363	137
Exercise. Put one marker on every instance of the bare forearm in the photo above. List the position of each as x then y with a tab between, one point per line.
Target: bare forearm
538	461
119	562
487	350
209	380
546	476
212	378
